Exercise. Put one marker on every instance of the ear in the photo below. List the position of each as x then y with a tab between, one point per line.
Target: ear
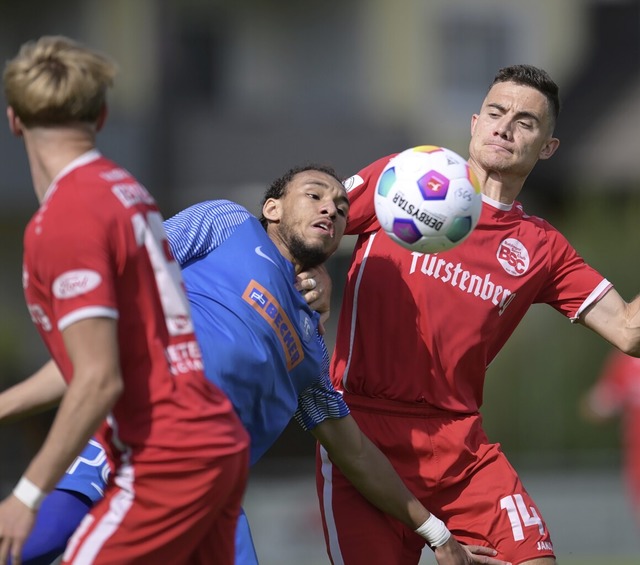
15	125
474	121
272	210
102	117
549	148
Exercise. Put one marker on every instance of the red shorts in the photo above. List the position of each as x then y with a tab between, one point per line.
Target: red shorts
181	512
447	461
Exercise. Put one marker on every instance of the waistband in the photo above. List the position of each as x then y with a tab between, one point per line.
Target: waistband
361	403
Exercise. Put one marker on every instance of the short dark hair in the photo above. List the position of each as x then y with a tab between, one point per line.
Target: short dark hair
278	187
528	75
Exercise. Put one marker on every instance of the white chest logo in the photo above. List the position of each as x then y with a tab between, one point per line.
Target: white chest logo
513	256
353	182
75	283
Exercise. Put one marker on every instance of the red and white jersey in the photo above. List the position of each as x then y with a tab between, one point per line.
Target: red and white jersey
424	327
97	248
618	391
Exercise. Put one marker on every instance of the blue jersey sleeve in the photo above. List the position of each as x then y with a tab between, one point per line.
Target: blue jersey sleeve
320	401
89	472
201	228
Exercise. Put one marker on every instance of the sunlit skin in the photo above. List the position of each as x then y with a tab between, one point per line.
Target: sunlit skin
307	223
513	130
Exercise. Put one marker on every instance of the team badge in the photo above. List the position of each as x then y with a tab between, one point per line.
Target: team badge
513	256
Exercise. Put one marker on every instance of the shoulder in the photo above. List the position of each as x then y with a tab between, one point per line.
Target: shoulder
537	223
211	212
367	173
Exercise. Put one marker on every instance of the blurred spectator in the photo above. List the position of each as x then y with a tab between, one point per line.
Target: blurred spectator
616	392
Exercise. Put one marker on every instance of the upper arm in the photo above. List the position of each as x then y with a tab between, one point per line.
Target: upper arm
92	346
616	321
341	437
360	190
199	229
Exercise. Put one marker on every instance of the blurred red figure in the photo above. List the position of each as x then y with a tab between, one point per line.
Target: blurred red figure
616	392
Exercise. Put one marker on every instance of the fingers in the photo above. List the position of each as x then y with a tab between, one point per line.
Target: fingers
480	555
308	284
5	545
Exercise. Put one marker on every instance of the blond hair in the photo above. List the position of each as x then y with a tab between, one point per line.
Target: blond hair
55	80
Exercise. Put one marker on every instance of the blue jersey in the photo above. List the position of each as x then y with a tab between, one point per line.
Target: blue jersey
259	338
88	473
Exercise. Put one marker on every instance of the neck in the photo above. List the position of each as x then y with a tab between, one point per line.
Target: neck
50	150
498	185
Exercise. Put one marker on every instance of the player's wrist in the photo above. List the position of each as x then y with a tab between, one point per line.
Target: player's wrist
29	494
434	531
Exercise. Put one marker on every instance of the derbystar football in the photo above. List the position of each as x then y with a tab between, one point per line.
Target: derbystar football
428	199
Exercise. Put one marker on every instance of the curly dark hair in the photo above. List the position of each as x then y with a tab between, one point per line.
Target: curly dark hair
278	187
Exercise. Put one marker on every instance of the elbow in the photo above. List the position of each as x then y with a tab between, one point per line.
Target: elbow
632	349
113	387
630	343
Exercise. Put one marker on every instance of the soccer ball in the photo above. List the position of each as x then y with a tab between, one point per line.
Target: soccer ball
428	199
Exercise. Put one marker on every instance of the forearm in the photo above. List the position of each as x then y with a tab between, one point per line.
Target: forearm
41	391
86	404
616	321
374	476
368	469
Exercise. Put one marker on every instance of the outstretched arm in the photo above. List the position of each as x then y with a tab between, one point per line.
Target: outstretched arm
373	475
96	384
616	321
41	391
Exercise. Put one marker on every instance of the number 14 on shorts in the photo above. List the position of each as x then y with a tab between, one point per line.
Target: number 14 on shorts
519	515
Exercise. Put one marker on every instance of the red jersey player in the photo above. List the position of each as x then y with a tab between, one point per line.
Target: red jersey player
107	298
617	392
417	331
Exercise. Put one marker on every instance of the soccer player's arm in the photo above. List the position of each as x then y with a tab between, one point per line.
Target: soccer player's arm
616	320
323	412
196	231
316	285
95	386
603	310
360	190
39	392
372	474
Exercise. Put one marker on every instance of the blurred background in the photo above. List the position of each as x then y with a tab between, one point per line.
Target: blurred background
216	98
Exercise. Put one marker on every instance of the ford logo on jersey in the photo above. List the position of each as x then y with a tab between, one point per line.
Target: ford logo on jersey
269	308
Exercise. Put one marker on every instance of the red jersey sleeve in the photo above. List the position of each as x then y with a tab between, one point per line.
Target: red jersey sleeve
361	189
81	283
571	279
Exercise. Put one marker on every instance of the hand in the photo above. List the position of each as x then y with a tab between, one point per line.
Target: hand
454	553
16	521
315	285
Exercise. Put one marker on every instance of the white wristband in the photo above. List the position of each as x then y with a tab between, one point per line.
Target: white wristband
434	531
29	494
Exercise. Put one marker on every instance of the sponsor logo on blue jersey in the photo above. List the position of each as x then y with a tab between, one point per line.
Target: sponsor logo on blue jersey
269	308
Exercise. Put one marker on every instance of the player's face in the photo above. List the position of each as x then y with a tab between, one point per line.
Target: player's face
312	217
512	131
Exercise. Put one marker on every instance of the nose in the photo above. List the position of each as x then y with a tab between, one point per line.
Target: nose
330	209
503	128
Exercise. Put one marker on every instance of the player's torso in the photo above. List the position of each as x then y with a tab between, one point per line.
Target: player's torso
259	336
428	324
130	276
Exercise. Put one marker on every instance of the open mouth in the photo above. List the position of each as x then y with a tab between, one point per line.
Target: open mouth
326	226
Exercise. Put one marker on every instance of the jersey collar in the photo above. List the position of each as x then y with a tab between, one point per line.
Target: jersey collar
495	204
80	161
